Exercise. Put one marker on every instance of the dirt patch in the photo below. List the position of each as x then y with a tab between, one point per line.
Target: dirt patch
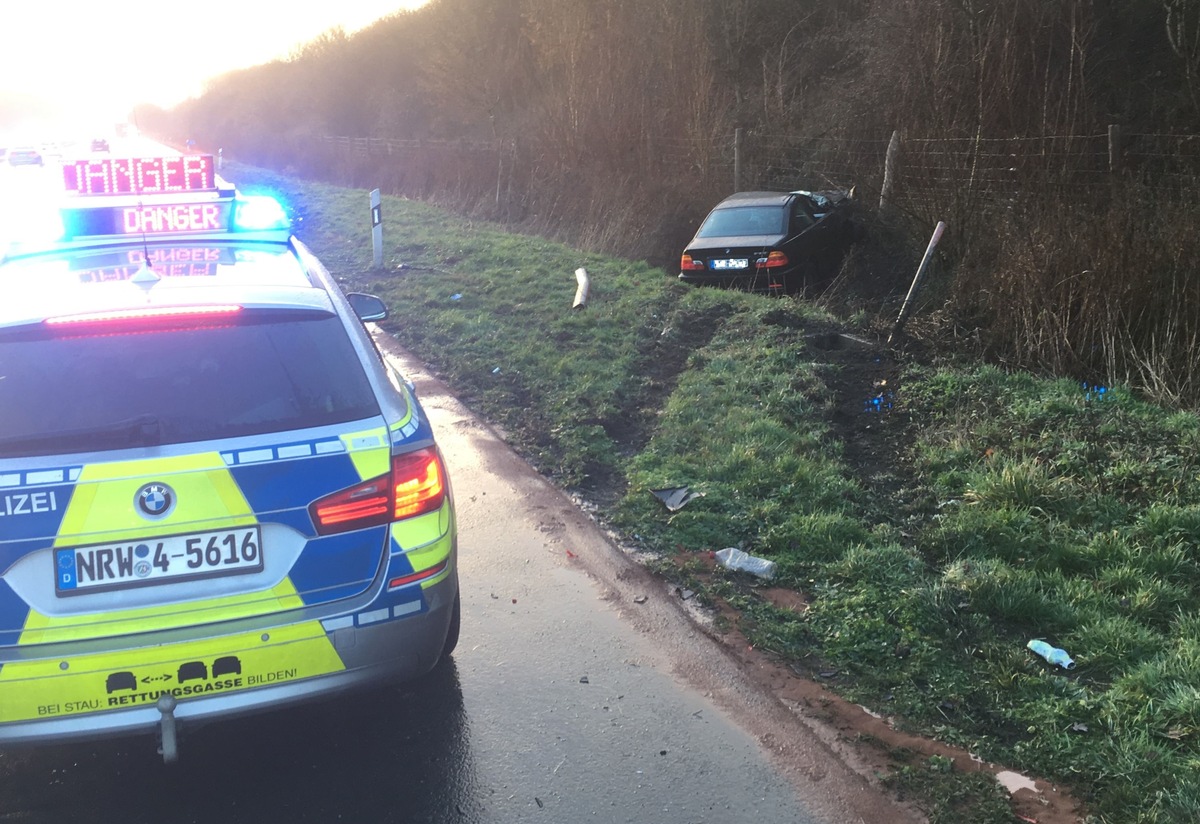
870	742
864	379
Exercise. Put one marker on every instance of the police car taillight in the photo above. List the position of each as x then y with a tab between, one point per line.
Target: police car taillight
420	483
415	486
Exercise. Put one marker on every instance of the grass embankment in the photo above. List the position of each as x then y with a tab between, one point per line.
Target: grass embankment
1011	507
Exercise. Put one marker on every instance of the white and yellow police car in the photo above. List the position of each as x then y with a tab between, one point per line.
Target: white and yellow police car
216	497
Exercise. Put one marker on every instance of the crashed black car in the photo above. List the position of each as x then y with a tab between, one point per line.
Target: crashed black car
771	241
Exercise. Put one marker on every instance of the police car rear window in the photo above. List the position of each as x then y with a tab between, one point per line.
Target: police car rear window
63	394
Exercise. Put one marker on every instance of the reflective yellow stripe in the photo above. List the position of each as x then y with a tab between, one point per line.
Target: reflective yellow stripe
372	461
418	531
423	532
102	507
44	629
127	678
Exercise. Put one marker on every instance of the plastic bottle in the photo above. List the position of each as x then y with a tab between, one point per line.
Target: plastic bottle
732	558
1052	654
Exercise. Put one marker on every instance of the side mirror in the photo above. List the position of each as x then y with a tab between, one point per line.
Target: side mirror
367	307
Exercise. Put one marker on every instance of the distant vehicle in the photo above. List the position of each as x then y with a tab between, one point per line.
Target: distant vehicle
99	145
770	241
25	156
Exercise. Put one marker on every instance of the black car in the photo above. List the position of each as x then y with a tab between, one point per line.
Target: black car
771	241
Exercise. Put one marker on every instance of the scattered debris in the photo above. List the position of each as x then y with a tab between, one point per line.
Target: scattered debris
1012	781
583	680
734	558
539	802
1052	654
881	399
641	599
677	497
496	371
685	594
456	296
581	293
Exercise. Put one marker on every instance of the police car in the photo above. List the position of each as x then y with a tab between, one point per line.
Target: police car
216	497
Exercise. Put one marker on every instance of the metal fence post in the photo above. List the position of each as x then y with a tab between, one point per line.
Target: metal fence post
916	282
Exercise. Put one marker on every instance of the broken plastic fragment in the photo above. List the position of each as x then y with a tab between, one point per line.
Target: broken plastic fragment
677	497
1013	781
1052	654
733	558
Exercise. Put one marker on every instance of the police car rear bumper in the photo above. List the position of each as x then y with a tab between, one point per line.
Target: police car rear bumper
372	654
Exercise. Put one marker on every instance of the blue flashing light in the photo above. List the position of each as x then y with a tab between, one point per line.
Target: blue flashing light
31	229
259	213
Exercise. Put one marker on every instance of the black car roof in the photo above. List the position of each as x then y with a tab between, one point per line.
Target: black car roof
755	199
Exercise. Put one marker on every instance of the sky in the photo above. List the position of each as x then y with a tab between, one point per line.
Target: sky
96	60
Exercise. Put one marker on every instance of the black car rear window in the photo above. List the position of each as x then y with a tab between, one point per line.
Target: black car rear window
82	392
745	220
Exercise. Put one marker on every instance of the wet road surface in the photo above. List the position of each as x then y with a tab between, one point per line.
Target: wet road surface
579	692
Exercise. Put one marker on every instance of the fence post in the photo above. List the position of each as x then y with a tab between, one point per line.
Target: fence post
916	282
737	160
1114	148
889	170
499	170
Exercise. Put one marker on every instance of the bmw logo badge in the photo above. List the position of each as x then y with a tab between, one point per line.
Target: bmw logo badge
155	501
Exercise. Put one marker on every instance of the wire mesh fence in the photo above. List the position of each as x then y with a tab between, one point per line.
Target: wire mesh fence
925	176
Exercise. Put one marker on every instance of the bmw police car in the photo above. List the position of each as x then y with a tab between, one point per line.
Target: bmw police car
216	497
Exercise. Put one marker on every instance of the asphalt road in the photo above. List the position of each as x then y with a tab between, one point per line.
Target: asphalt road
579	692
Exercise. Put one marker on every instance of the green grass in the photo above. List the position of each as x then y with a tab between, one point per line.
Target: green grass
1021	507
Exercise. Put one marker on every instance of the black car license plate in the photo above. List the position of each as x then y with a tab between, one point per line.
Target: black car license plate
731	263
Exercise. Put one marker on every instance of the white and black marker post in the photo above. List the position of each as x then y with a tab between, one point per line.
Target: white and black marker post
377	227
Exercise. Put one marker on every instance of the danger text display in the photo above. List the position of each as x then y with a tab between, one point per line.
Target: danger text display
140	176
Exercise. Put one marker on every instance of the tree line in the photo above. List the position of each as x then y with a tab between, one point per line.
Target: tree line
585	94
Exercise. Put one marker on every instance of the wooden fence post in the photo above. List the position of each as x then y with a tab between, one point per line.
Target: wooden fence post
889	170
737	160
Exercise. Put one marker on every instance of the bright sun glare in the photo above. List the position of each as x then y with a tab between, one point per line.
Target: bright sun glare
76	62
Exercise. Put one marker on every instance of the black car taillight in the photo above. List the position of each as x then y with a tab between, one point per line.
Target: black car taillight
688	264
773	260
416	485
